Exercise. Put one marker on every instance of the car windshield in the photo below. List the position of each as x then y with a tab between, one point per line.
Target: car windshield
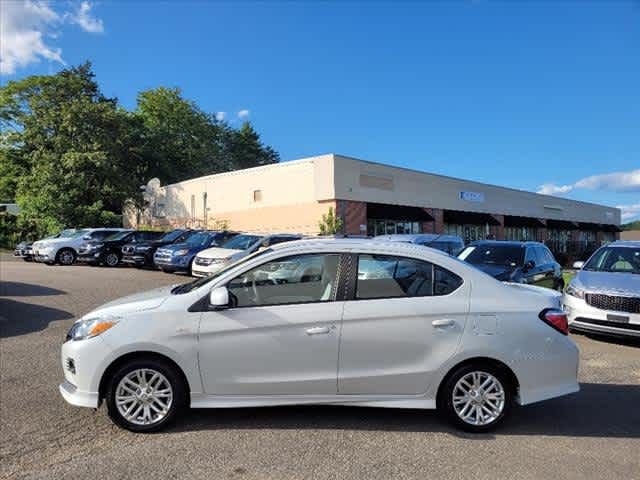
117	236
615	259
78	233
492	254
242	242
200	239
171	236
66	233
188	287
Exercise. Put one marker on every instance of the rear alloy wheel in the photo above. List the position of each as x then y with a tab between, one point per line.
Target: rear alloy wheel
66	256
145	395
112	259
477	398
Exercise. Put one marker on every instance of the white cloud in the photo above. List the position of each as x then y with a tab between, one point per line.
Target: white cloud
83	18
629	212
612	182
28	28
22	28
552	189
220	116
243	114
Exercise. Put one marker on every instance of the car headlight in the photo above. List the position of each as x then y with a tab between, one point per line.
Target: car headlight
91	327
574	291
179	253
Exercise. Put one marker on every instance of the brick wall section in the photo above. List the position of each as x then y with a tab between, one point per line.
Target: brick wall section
437	226
353	215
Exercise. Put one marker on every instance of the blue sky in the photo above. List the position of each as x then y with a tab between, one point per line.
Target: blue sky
519	94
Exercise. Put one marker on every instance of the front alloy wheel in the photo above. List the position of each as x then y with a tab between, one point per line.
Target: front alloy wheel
66	257
111	260
145	395
477	398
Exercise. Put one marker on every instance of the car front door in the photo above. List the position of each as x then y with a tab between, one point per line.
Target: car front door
280	335
404	321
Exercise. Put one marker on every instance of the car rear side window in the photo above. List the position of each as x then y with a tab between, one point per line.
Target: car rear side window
385	276
445	282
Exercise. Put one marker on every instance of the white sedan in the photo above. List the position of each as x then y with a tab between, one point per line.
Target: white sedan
297	323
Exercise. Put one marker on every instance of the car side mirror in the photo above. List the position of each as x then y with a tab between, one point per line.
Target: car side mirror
529	265
219	298
578	265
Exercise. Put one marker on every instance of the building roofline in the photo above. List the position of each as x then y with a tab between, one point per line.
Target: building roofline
413	170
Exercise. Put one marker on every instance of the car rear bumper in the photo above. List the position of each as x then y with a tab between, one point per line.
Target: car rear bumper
585	318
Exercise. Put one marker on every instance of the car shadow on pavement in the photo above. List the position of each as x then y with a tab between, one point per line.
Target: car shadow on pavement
598	410
20	318
616	340
19	289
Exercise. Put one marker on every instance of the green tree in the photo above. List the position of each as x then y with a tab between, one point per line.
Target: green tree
180	141
330	224
247	150
72	150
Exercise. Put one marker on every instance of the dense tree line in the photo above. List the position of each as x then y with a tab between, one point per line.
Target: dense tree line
72	157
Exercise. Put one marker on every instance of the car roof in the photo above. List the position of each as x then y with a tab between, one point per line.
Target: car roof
624	243
412	237
513	243
355	244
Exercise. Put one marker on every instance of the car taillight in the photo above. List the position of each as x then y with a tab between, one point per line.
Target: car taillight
556	319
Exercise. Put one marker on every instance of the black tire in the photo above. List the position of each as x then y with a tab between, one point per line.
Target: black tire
177	385
66	256
445	397
111	259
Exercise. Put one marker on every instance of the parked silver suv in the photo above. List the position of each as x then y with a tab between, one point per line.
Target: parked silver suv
604	297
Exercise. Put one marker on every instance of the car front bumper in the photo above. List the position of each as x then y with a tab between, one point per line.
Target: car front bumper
206	270
174	264
584	317
90	257
83	363
134	259
48	255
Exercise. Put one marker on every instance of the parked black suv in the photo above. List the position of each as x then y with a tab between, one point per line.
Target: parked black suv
519	262
109	251
140	254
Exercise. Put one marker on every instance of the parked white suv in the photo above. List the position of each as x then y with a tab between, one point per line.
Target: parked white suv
209	261
64	250
295	324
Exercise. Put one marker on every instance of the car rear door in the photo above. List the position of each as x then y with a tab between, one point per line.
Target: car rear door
404	318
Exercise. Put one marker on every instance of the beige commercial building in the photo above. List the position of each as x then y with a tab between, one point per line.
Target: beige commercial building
374	198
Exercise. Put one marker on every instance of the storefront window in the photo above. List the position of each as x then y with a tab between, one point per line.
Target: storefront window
521	234
468	233
391	227
559	240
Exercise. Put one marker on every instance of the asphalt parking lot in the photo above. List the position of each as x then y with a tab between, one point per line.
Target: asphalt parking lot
592	434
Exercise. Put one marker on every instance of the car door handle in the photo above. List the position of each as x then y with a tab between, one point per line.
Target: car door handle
445	322
318	330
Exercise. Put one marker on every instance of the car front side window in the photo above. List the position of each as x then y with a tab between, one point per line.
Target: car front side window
295	279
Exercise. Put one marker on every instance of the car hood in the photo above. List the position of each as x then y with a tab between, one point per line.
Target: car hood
177	246
496	271
608	282
137	302
218	252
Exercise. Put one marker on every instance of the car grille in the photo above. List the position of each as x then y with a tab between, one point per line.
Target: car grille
128	250
163	255
614	303
203	261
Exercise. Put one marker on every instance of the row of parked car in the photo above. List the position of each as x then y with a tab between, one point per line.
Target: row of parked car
202	252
